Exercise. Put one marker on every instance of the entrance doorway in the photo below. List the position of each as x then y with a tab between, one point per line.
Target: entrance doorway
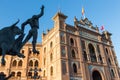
96	75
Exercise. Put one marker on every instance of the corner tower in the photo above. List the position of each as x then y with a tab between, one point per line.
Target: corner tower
59	20
51	41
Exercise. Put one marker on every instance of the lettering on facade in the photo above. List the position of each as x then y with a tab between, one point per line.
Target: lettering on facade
69	31
88	35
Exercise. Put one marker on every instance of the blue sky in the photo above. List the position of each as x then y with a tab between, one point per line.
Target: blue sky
100	12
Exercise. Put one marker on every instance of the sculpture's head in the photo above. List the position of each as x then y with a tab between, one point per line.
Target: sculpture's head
16	30
34	16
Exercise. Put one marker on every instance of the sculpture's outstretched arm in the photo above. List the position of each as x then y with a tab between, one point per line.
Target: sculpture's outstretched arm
41	13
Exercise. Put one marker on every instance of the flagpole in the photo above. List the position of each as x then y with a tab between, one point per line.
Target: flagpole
84	16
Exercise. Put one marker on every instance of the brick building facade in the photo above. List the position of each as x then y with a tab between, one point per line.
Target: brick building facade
67	52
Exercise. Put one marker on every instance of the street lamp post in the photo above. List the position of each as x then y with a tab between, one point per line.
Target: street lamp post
35	76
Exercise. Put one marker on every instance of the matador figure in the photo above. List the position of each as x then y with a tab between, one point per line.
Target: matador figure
33	32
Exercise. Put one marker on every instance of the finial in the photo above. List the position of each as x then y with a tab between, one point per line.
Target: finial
59	11
75	19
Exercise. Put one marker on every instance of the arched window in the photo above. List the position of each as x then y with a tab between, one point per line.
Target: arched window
51	57
30	51
18	74
73	54
44	61
13	74
51	70
29	74
112	73
96	75
51	44
20	63
92	53
23	51
106	50
31	63
85	55
44	73
36	63
14	63
72	41
74	68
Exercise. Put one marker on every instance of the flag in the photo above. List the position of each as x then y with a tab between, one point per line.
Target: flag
102	28
83	11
